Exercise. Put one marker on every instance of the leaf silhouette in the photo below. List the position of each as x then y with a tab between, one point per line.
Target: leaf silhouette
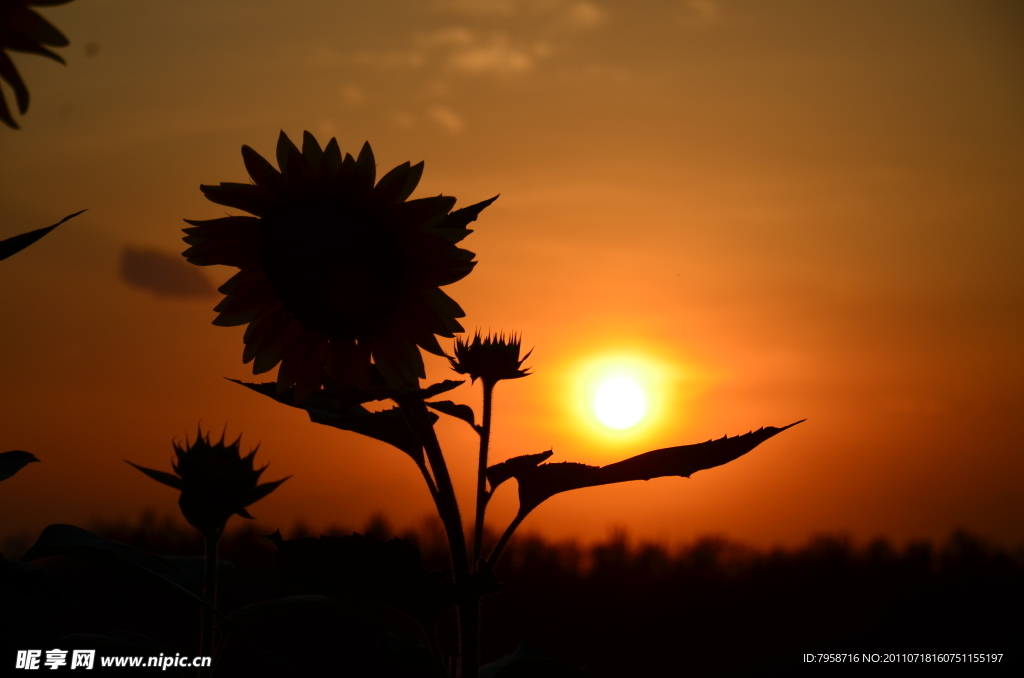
463	412
69	540
538	482
388	426
13	461
19	242
513	467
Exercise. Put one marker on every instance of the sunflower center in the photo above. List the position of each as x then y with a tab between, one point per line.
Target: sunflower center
335	267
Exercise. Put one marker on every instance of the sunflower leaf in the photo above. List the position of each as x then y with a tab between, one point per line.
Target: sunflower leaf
537	483
512	468
13	461
463	412
69	540
20	242
388	426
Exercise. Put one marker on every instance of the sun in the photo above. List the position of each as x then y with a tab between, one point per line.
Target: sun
622	398
620	403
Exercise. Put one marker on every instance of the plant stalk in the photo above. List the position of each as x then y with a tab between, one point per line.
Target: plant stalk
207	628
482	497
448	507
496	552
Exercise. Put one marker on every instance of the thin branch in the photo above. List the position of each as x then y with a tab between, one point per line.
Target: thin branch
496	551
482	496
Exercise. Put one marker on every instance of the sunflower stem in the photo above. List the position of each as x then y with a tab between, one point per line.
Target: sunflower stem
482	497
496	552
448	508
212	541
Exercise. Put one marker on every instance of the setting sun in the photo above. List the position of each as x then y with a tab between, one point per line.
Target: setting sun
619	403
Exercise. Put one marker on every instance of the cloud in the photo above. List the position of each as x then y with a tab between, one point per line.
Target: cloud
446	118
493	55
164	275
403	119
494	38
485	8
700	13
584	15
352	95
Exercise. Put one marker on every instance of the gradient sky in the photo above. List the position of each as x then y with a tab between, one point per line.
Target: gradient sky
774	210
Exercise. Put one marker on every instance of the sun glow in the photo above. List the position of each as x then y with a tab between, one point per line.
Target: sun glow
620	403
621	398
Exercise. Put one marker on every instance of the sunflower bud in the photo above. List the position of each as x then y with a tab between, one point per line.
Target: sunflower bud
491	358
215	482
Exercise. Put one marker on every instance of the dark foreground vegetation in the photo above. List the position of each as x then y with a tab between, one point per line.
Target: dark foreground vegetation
614	609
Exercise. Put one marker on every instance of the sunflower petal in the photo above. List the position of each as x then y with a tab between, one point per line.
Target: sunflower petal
241	281
263	490
10	74
13	40
234	303
247	197
311	150
422	212
272	348
271	315
236	318
259	168
160	476
330	163
365	170
5	113
291	161
445	306
453	227
311	372
391	185
28	23
411	182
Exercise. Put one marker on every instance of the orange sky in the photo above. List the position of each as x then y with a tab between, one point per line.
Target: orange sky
784	210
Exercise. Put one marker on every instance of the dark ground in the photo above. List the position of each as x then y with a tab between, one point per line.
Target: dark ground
712	608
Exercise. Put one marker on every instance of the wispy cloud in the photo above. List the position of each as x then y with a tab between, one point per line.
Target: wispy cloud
446	118
699	13
163	274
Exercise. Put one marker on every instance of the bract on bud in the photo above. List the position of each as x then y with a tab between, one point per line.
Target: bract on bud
491	358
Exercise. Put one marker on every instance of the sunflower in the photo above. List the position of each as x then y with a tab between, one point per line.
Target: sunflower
491	358
338	276
22	30
215	481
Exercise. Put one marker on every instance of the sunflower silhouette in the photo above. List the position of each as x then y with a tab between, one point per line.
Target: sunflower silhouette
22	30
338	276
